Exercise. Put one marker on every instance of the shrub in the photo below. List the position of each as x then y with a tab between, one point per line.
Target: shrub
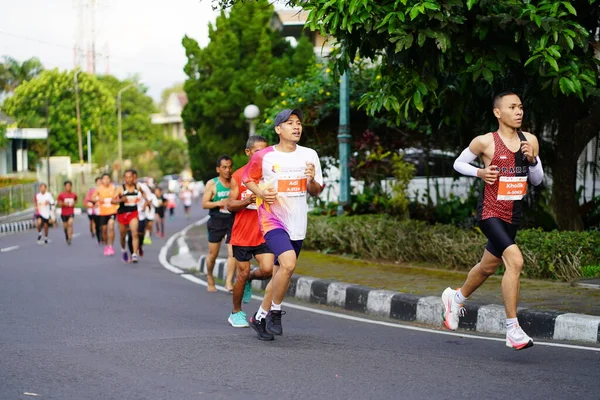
548	255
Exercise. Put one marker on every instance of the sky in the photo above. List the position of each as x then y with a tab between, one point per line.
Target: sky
142	36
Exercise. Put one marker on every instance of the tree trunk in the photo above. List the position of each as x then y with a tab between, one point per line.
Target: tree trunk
574	132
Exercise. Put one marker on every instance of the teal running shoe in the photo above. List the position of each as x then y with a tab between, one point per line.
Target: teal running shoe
238	320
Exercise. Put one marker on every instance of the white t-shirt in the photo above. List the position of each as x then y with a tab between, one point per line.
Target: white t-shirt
187	198
284	172
43	203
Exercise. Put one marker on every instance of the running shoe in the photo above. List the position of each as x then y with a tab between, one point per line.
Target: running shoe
273	325
148	240
134	258
69	241
260	328
517	339
452	311
141	251
45	241
111	251
105	250
238	320
247	292
125	256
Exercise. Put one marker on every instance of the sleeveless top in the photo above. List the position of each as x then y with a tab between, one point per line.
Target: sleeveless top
503	199
221	193
106	195
131	201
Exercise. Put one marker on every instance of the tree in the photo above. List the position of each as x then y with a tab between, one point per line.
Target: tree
245	62
442	61
51	97
13	73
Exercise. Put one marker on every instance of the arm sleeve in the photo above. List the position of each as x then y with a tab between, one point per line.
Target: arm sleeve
536	173
463	163
318	170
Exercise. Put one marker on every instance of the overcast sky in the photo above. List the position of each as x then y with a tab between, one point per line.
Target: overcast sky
143	36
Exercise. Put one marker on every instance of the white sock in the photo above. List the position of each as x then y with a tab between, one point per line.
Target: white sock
459	297
511	323
275	307
260	314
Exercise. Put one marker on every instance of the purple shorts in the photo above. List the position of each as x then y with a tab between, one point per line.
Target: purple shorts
279	242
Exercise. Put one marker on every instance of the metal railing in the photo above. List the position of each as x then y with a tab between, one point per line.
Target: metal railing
17	198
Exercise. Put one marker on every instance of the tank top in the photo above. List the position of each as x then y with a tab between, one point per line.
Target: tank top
503	199
106	195
221	193
131	200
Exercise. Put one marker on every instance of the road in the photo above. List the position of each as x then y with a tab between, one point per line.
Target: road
77	325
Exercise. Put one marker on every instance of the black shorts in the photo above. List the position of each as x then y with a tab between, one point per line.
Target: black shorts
160	211
66	218
103	219
91	217
500	235
245	253
45	221
219	227
186	207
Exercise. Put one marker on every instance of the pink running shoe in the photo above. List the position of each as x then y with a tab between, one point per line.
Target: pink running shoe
111	251
105	250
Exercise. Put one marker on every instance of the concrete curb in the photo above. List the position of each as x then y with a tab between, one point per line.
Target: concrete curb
428	310
18	226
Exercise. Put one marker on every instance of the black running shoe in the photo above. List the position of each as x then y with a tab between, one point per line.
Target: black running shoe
259	327
141	251
274	322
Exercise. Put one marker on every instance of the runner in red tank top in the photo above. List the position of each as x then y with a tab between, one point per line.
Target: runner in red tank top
511	160
247	242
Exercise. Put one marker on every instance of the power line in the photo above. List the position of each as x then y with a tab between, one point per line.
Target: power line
70	48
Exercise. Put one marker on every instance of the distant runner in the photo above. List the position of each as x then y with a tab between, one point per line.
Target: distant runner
106	197
160	212
66	201
43	202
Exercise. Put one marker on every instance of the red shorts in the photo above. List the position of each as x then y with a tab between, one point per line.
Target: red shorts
125	218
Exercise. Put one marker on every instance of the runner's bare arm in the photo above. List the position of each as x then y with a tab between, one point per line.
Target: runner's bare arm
59	201
235	205
118	198
531	149
209	193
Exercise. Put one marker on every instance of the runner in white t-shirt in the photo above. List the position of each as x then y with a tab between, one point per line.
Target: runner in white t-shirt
186	197
282	177
43	202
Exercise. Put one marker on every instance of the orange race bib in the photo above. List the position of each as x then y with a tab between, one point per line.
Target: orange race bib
512	187
291	186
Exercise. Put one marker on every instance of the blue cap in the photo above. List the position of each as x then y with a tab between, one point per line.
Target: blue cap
286	114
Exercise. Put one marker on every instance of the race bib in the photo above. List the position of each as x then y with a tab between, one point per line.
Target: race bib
107	201
291	187
512	187
132	202
245	195
69	202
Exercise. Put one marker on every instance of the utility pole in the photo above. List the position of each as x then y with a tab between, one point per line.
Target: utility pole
344	138
48	141
79	125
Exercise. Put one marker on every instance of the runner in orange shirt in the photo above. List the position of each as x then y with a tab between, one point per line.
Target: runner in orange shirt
247	241
106	197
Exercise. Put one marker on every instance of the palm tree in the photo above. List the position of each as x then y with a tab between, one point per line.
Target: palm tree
13	73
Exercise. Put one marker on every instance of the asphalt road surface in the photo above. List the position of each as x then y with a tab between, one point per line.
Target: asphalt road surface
78	325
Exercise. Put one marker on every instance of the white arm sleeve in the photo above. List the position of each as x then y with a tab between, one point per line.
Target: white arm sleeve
463	163
536	173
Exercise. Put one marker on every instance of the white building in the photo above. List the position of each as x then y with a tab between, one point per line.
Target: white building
170	117
13	156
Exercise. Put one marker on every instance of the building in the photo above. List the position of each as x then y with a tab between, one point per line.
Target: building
290	23
13	156
170	117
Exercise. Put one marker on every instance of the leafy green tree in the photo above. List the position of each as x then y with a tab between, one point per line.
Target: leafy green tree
13	73
51	97
442	60
136	107
245	62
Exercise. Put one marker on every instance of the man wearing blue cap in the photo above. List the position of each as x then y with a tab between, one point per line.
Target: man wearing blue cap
282	177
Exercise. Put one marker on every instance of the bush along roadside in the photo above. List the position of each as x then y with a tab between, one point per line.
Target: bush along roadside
548	255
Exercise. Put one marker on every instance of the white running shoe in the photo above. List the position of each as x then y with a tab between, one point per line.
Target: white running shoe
517	339
452	311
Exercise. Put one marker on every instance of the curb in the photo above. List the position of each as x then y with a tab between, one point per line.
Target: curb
18	226
488	318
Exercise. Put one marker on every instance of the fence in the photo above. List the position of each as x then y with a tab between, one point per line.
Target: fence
17	198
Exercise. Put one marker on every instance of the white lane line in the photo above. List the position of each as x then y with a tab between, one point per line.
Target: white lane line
7	249
76	235
165	263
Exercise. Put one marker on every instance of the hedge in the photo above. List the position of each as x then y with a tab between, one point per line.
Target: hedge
548	255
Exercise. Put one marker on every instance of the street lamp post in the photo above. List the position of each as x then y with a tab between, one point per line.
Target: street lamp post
251	112
344	143
77	111
120	137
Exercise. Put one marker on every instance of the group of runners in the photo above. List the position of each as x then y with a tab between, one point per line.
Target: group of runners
262	211
135	207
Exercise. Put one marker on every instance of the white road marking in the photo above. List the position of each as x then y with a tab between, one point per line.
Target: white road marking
7	249
162	257
76	235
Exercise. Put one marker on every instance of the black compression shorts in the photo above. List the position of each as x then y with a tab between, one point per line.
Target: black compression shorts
500	234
